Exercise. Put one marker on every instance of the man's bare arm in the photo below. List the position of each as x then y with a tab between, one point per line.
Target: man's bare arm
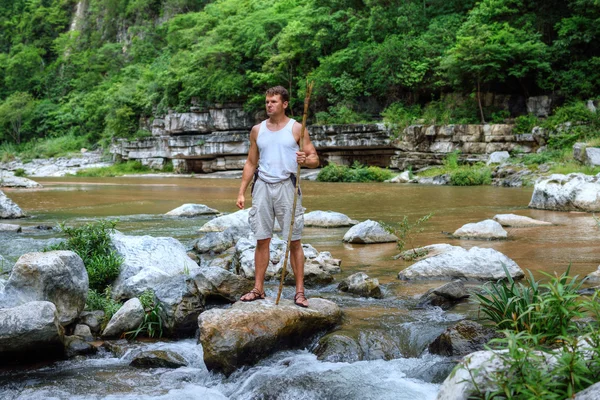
249	168
308	157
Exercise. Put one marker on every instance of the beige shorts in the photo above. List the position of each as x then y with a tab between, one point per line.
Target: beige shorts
272	201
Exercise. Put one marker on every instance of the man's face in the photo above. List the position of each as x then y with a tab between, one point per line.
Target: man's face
274	105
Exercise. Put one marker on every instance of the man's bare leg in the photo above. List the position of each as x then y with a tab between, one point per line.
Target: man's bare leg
297	260
261	262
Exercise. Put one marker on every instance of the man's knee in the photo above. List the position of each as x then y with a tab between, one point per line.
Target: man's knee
261	244
295	245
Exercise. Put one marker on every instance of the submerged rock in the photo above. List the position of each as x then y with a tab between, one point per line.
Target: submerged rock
368	232
55	276
327	219
248	332
128	318
362	285
148	261
458	263
9	209
461	339
75	346
192	210
30	331
485	230
518	221
573	192
158	359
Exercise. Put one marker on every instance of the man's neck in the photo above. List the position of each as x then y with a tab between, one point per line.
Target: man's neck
278	119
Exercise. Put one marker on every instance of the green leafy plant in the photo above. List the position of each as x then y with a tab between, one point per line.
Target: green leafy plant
102	301
92	243
151	325
525	123
20	172
356	173
471	176
405	232
129	167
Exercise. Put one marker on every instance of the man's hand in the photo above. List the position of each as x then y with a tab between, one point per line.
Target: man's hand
240	201
300	157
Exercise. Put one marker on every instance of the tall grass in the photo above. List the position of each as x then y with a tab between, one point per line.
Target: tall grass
129	167
356	173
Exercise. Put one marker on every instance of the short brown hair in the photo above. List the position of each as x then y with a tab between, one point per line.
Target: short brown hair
280	90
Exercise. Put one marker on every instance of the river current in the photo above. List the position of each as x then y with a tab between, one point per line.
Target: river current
140	203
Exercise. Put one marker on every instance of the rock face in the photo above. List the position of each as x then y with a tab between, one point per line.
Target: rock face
573	192
148	261
586	155
498	157
327	219
458	263
31	330
484	230
55	276
461	339
247	332
518	221
8	208
362	285
192	210
368	232
128	318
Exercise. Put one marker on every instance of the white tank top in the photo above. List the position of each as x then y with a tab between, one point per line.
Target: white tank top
277	153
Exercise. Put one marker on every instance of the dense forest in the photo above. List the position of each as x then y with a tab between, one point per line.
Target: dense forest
83	72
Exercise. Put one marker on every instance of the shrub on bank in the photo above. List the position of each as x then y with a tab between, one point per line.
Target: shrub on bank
356	173
475	175
129	167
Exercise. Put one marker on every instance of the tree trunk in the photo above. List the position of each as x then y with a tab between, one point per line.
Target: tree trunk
479	100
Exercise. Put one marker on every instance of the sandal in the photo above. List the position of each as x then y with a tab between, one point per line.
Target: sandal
254	294
299	299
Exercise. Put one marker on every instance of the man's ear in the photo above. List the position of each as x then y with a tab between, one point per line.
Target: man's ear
285	104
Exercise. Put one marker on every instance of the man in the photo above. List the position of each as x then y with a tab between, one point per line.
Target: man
274	156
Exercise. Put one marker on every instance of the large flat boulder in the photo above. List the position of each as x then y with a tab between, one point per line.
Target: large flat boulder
327	219
369	232
247	332
518	221
9	180
573	192
147	262
459	263
484	230
55	276
192	210
30	331
9	209
237	220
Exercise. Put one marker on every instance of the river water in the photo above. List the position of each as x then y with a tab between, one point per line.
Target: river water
410	373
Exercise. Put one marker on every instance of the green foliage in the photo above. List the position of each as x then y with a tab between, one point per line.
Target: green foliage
151	325
398	116
102	300
572	123
525	123
479	174
339	115
405	232
129	167
92	243
356	173
543	157
20	172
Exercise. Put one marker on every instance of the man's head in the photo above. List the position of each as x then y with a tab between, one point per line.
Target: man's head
277	100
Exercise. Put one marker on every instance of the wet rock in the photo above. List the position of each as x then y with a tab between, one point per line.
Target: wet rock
573	192
461	339
218	242
445	296
248	332
217	282
362	285
591	393
74	346
83	331
518	221
148	261
55	276
313	275
327	219
128	318
181	302
93	319
458	263
404	177
30	331
342	346
9	180
10	228
192	210
158	359
421	253
368	232
238	221
484	230
117	347
244	260
434	180
8	208
339	348
498	157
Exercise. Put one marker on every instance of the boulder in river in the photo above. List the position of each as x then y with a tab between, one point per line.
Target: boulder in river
518	221
218	242
192	210
10	228
128	318
158	359
9	180
55	276
148	261
9	209
362	285
237	220
459	263
445	296
594	276
30	331
369	232
461	339
327	219
217	283
484	230
247	332
573	192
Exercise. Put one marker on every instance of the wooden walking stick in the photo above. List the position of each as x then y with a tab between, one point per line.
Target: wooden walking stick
309	87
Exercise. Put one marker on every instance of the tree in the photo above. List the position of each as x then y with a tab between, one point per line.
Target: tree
15	112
